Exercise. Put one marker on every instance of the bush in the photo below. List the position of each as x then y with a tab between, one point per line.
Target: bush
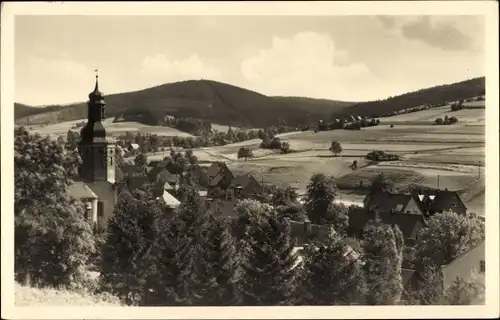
439	121
381	156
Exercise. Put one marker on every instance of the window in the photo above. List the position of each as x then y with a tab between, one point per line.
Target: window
110	161
100	209
482	266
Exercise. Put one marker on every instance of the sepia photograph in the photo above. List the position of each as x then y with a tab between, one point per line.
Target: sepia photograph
272	155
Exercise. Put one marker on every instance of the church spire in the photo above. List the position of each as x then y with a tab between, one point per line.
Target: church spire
96	95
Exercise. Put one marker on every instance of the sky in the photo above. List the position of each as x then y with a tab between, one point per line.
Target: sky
350	58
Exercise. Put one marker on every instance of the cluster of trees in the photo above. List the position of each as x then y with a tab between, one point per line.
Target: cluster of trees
378	155
190	258
197	127
275	143
446	121
194	258
459	105
344	124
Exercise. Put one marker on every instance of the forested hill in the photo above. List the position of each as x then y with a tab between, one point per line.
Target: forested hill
230	105
213	101
435	95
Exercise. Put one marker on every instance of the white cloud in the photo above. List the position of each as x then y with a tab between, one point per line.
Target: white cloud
308	64
158	69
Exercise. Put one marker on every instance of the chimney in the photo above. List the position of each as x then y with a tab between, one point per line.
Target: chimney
307	227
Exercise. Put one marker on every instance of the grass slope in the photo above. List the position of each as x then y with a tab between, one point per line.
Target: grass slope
214	101
30	296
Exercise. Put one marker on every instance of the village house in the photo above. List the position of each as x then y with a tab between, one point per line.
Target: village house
424	202
219	175
245	186
437	201
468	266
409	224
387	202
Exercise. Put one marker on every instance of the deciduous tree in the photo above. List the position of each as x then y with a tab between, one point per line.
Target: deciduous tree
448	235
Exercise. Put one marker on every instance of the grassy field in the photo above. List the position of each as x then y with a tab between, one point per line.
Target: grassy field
429	115
427	151
117	128
33	297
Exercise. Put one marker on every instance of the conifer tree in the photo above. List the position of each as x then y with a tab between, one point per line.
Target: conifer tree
332	274
176	252
128	254
382	249
216	264
268	273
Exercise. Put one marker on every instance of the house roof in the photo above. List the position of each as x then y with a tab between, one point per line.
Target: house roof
215	169
406	275
358	217
170	200
134	146
242	180
389	201
215	180
437	199
121	187
80	190
136	182
165	175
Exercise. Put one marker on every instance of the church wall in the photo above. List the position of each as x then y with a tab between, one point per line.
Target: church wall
108	195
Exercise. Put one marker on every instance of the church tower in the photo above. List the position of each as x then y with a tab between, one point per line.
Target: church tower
96	149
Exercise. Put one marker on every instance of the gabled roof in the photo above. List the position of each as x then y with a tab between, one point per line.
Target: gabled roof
170	200
406	275
389	201
215	180
358	217
242	180
437	199
215	169
80	190
165	175
136	182
122	187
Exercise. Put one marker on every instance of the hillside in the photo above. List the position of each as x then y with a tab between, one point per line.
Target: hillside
435	95
213	101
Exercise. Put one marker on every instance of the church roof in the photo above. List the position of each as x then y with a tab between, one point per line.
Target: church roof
96	94
80	190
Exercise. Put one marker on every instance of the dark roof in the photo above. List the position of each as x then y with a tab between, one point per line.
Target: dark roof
165	175
80	190
136	182
437	199
121	187
242	180
215	180
406	275
215	169
389	201
358	217
154	163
